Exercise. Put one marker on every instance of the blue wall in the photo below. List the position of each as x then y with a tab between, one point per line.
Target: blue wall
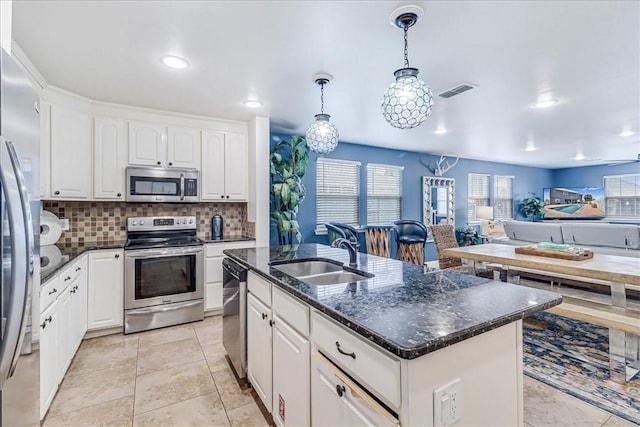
527	179
590	176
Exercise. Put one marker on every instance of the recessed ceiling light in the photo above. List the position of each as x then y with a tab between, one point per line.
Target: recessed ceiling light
579	157
546	103
530	148
441	131
252	103
174	62
627	133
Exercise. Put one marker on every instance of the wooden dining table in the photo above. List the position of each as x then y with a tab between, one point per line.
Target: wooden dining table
614	270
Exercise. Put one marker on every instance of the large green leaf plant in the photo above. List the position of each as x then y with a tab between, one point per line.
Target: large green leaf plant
288	165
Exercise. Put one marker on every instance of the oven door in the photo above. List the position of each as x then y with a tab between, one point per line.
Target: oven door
163	276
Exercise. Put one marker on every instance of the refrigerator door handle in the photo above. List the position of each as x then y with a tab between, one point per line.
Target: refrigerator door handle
19	216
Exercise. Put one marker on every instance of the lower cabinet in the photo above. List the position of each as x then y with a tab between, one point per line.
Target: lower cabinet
49	375
213	272
65	336
259	347
105	289
291	380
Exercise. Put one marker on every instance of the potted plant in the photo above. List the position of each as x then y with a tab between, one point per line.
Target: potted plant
531	207
288	164
467	236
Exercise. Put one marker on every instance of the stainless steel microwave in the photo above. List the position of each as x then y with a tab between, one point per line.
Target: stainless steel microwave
155	184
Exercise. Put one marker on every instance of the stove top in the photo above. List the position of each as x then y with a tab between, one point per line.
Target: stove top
162	242
161	232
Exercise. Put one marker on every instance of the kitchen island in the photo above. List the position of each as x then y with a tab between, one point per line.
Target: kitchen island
406	346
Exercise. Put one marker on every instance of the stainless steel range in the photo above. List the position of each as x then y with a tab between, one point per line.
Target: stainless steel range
164	273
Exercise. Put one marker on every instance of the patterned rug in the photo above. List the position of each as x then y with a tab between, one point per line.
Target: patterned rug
573	357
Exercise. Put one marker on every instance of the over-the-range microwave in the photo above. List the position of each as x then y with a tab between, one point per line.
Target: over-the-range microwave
165	185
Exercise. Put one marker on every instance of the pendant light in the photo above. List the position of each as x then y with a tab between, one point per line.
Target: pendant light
322	135
408	100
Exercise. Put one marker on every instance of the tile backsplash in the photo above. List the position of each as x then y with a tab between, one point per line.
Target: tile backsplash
107	221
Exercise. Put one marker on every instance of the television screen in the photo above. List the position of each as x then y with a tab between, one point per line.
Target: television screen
573	203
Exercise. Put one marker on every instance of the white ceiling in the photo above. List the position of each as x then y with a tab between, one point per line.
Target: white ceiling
587	53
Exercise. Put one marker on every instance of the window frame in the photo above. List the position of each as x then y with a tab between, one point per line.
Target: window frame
322	195
471	219
396	196
509	201
635	197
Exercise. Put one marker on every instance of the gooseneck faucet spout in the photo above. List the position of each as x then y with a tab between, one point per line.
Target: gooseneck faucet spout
350	246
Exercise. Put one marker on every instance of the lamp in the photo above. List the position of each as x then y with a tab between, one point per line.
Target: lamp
484	214
408	100
322	135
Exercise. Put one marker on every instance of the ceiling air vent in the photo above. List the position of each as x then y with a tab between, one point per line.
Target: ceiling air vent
462	87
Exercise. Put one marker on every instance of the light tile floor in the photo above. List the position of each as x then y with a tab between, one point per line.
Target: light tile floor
179	376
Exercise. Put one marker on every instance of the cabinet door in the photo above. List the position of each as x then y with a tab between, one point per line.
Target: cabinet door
79	303
236	161
110	159
147	144
259	349
291	393
70	153
45	149
212	170
65	333
48	357
183	148
213	283
105	304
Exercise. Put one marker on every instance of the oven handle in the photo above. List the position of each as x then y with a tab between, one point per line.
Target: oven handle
147	253
181	186
156	309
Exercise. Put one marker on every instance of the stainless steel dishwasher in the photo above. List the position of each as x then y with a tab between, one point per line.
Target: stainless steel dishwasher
234	314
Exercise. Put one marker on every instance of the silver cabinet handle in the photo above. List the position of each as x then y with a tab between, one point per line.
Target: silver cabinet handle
53	291
181	186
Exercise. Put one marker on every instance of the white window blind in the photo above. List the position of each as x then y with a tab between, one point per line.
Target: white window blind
622	195
478	194
384	193
337	192
502	197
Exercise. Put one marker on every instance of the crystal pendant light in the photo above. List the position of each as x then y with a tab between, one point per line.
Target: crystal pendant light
408	100
322	135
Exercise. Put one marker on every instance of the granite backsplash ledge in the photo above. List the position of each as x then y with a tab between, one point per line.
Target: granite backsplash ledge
107	221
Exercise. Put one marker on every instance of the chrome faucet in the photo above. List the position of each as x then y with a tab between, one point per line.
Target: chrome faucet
350	246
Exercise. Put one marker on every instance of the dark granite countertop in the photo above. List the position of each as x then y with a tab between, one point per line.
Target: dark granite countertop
54	258
231	238
404	308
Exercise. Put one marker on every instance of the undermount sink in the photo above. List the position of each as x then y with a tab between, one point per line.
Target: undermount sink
307	268
316	272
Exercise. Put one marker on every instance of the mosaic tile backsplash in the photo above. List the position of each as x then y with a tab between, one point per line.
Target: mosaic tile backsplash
103	222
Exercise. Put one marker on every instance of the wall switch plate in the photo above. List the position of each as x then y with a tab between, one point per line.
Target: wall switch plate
447	404
64	224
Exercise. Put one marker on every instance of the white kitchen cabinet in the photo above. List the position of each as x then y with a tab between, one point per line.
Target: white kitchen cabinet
147	144
110	158
224	172
49	326
45	149
70	153
5	25
105	305
78	291
213	272
259	348
65	333
291	405
183	147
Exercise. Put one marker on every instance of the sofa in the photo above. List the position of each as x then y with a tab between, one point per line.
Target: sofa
600	237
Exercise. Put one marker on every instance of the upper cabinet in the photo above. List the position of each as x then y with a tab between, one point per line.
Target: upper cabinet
158	145
5	25
70	153
109	158
224	172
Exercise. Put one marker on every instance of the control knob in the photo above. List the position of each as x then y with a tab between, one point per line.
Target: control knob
141	222
190	221
135	223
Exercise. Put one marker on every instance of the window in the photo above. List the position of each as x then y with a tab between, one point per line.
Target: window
622	195
502	197
337	192
478	191
384	190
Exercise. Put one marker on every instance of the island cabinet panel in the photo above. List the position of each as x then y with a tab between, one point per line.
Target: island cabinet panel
259	349
259	287
295	313
360	359
489	368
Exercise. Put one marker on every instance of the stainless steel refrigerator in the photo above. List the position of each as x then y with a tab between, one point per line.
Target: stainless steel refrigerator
20	228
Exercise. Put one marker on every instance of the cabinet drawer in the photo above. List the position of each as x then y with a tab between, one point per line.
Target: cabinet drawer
215	249
259	287
377	370
213	269
49	292
293	312
71	273
212	296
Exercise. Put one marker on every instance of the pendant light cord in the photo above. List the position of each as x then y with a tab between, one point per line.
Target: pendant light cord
406	46
321	98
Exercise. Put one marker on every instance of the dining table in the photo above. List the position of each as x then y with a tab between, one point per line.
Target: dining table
618	272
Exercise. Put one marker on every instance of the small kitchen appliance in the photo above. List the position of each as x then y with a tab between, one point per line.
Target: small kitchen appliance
164	273
166	185
216	227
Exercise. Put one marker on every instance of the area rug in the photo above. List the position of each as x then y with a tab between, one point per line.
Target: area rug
573	357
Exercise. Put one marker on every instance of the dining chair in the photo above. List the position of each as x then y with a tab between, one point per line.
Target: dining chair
444	237
411	237
379	240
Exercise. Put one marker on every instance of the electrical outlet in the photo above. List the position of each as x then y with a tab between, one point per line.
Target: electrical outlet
64	224
447	404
